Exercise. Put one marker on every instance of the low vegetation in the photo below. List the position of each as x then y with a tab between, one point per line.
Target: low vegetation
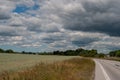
14	62
72	69
113	58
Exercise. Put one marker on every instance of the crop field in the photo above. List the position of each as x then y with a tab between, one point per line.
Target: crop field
71	69
14	62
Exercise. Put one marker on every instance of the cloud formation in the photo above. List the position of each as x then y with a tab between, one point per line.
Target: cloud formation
60	24
87	15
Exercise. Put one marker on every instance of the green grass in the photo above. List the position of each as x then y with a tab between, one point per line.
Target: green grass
72	69
13	62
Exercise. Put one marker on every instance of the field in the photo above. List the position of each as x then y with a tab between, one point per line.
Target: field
13	62
39	67
72	69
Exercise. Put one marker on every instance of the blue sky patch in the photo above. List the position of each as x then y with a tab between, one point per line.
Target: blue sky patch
23	8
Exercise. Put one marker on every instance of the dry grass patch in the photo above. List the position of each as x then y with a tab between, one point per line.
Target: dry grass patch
73	69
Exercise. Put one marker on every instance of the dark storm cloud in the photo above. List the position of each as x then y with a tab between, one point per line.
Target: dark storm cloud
4	16
52	38
8	34
35	28
16	25
97	17
84	41
8	31
38	28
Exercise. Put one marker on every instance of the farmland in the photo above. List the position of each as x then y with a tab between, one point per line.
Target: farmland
71	69
13	62
45	67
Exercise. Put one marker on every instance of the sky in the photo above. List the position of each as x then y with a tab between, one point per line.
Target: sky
48	25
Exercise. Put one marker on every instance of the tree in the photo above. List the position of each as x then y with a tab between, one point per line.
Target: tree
69	53
100	55
112	54
93	53
79	51
1	50
117	53
56	52
9	51
23	52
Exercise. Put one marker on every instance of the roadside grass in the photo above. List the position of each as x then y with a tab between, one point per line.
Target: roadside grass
113	58
72	69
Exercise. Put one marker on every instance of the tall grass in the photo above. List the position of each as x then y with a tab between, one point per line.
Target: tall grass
73	69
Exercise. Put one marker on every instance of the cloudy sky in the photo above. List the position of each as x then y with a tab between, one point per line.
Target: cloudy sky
47	25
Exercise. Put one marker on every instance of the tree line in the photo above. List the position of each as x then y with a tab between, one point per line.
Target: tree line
80	52
115	53
77	52
6	51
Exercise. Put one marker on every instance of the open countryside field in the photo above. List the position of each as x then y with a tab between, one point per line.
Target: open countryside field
14	62
71	69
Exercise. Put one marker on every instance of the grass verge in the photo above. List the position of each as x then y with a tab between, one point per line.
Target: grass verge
113	58
72	69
